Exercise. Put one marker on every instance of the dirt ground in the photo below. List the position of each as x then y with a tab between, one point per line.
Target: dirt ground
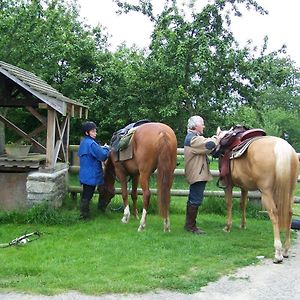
259	282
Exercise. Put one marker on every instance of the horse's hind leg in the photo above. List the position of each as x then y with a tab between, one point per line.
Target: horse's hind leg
146	200
268	203
134	195
287	242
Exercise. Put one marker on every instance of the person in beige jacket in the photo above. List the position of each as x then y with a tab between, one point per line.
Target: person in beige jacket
196	148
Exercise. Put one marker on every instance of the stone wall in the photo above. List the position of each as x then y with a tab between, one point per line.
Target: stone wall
13	191
50	187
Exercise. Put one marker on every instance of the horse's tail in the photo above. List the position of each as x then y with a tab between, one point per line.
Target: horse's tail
165	169
286	174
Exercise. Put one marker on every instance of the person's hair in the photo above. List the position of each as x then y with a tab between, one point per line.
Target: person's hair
193	121
87	126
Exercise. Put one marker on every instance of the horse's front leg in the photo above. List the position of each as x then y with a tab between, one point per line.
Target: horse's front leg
146	200
268	203
134	195
228	198
243	204
167	224
126	213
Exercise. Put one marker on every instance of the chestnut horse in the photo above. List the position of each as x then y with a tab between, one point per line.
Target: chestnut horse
270	165
154	147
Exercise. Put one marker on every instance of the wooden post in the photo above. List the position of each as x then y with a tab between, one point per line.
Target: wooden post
50	163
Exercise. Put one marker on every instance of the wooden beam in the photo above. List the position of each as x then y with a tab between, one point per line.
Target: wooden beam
35	113
20	132
50	162
59	142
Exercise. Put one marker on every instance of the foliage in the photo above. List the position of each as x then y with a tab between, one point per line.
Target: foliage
46	38
39	214
195	65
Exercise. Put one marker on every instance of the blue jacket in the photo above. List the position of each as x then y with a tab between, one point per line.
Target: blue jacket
90	156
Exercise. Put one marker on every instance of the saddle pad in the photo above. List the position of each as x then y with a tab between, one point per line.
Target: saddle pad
127	153
125	141
241	148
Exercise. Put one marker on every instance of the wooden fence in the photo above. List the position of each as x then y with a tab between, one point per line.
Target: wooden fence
74	169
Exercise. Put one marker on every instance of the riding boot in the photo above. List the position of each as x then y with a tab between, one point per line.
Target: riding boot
190	221
84	209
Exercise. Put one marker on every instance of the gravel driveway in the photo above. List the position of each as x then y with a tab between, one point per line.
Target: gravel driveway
263	281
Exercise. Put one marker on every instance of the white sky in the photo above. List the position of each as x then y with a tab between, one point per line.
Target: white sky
281	25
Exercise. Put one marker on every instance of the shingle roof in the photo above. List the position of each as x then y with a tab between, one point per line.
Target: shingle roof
41	89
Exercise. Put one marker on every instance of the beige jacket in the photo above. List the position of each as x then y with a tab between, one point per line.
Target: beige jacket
196	148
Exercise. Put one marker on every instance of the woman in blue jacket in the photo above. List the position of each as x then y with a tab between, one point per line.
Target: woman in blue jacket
91	155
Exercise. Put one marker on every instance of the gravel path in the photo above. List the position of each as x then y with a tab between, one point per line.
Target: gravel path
260	282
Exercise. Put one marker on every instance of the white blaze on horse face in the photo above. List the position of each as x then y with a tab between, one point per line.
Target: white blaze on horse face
126	215
143	220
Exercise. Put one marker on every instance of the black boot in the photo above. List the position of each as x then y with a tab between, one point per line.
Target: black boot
84	209
190	221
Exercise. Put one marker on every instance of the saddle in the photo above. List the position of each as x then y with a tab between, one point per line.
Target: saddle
118	135
233	145
120	141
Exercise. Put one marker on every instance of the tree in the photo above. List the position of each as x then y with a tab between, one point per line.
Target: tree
195	66
46	38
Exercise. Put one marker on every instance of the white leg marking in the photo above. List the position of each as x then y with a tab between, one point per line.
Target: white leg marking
278	251
143	221
167	225
126	215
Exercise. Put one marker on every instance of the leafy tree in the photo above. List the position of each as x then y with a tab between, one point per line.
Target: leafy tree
46	38
195	66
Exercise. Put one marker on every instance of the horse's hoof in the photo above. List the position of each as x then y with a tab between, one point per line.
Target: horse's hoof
141	228
242	227
226	229
277	260
167	230
125	220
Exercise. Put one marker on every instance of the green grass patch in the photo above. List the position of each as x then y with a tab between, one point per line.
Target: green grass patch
104	256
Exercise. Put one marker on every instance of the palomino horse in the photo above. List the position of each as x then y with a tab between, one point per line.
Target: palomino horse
154	147
270	165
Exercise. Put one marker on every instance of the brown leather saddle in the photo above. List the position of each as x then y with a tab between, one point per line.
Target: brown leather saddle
237	138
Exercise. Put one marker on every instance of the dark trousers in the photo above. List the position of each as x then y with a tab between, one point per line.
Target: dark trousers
88	192
196	193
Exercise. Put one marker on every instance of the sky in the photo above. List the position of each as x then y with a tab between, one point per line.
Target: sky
281	25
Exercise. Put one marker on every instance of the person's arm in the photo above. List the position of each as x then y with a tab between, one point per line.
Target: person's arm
202	145
100	153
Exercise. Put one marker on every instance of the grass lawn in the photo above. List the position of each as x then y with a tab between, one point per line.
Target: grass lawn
104	256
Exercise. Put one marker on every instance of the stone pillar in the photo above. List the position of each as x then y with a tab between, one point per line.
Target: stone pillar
50	187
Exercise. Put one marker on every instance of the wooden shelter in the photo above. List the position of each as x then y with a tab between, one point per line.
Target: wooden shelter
20	88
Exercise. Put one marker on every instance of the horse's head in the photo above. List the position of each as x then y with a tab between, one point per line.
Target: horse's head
107	190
